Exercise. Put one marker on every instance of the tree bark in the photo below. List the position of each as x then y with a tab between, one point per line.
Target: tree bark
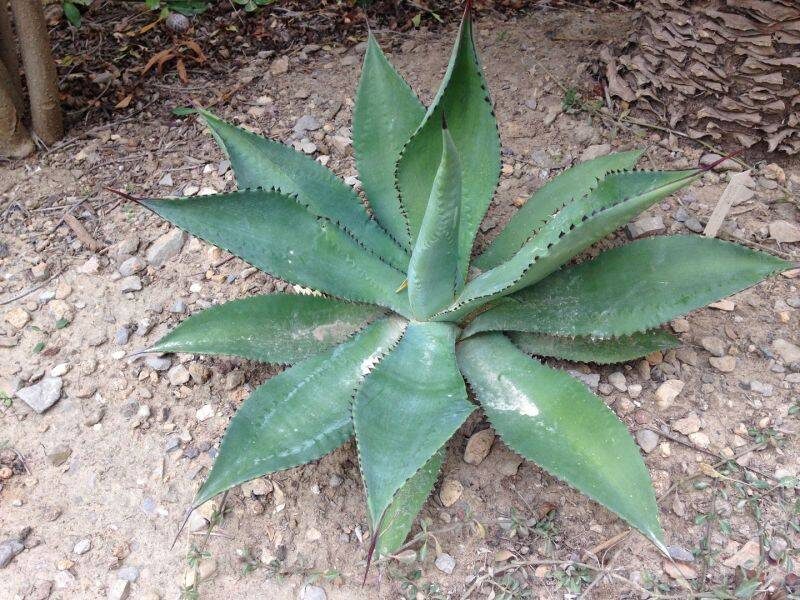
8	55
40	70
720	69
14	139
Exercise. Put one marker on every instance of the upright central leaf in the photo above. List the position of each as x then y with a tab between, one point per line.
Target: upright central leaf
470	118
407	409
433	276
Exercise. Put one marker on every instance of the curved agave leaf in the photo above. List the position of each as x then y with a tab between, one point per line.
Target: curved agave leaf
300	414
406	410
385	115
572	184
433	271
463	99
407	503
631	288
259	162
555	421
275	233
278	328
599	351
615	200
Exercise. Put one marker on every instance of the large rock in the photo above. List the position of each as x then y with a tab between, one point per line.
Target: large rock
166	247
42	395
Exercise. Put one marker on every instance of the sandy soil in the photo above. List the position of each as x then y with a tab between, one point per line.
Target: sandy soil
129	476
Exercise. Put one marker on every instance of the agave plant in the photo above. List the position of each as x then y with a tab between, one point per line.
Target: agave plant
401	315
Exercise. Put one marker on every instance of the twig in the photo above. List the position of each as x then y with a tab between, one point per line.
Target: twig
22	460
596	581
30	290
721	459
418	538
609	543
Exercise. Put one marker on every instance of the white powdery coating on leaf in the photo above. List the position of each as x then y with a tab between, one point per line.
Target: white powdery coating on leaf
514	399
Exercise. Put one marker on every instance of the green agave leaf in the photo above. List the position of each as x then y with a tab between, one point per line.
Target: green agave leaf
572	184
278	328
407	503
631	288
385	115
406	410
599	351
463	99
615	200
555	421
300	414
433	271
275	233
259	162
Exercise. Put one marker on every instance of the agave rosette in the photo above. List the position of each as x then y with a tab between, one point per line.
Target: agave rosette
405	317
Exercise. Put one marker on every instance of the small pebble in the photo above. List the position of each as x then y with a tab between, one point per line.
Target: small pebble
130	284
647	440
714	345
312	592
128	574
724	364
445	563
178	375
158	363
82	546
118	590
667	392
121	336
451	491
204	413
478	446
617	379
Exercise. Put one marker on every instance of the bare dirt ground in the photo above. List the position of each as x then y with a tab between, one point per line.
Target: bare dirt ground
103	478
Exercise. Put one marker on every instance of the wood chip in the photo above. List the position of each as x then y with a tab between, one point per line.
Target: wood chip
738	191
80	232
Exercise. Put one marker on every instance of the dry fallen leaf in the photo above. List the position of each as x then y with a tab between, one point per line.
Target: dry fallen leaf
679	571
125	102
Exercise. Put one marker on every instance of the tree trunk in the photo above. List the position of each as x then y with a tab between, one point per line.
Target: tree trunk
8	55
724	69
40	70
14	139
